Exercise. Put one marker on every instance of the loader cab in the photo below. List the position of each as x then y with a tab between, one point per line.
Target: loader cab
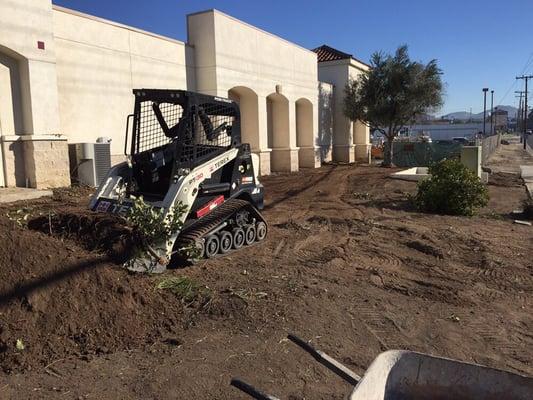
177	129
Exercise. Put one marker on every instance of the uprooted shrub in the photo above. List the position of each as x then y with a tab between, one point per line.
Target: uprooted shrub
154	228
452	189
186	289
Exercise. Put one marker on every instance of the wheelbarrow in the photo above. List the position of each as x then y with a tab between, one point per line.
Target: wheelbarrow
408	375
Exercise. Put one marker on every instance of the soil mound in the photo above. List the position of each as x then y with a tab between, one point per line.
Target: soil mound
102	232
59	300
56	300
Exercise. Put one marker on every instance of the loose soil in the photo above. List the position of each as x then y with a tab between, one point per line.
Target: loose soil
347	264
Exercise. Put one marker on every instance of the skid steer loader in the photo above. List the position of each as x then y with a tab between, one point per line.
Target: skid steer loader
186	149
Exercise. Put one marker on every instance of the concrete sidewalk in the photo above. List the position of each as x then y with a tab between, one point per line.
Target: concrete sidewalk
10	195
526	173
512	158
509	158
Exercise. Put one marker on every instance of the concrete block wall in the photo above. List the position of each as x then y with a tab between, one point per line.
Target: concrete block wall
35	161
46	163
13	157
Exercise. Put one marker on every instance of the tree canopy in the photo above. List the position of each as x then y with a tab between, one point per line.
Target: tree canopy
393	92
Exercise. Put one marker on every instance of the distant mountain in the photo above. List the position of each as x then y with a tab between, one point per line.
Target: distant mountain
464	115
459	115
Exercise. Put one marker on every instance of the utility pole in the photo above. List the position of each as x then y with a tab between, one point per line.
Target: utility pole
491	112
518	115
485	90
526	78
520	112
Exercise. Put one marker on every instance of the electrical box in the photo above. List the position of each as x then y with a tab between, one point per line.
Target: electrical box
90	162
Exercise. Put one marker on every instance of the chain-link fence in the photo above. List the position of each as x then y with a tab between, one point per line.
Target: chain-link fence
423	154
417	154
489	145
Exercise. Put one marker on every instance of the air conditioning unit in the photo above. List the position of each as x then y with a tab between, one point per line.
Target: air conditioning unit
90	162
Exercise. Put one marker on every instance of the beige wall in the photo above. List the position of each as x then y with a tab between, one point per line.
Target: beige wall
28	90
24	23
360	132
99	63
336	73
80	85
326	110
261	65
350	140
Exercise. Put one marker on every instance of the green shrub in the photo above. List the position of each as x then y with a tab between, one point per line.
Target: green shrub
452	189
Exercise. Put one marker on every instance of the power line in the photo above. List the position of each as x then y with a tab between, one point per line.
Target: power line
528	64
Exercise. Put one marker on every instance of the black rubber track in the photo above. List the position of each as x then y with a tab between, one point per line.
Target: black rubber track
207	224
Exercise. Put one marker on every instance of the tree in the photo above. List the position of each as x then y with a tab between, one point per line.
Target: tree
393	93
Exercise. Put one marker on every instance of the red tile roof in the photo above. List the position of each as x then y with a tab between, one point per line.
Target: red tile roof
326	53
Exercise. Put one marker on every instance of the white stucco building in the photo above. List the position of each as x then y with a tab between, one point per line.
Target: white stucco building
67	77
351	139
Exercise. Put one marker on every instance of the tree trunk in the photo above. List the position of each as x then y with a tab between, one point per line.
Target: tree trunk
388	156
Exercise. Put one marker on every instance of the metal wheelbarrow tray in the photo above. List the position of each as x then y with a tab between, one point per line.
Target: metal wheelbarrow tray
408	375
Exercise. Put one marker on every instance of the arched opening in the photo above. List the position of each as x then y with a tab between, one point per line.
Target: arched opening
248	104
278	129
278	121
11	111
12	122
304	123
305	140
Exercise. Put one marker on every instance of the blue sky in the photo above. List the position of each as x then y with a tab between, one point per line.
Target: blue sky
477	43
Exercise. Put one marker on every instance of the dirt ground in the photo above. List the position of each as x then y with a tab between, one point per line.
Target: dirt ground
347	264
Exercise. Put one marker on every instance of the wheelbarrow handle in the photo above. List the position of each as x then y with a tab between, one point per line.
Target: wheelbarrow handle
329	362
250	390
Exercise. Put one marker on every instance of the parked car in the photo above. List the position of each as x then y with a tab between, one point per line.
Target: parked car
461	140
